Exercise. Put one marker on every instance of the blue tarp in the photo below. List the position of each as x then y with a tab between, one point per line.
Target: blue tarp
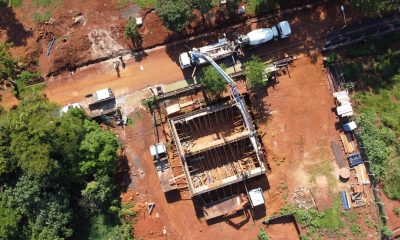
344	200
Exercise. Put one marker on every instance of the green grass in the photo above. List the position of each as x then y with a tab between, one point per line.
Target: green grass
15	3
142	3
41	17
317	223
323	169
374	68
331	219
46	3
131	121
355	229
349	216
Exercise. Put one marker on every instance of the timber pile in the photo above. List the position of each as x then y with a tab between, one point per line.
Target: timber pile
349	143
303	198
361	174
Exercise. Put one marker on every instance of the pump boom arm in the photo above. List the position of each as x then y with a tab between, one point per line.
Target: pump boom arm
232	84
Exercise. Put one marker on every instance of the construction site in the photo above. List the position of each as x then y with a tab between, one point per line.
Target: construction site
200	166
214	150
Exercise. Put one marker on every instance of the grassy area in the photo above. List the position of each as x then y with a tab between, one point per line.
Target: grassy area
14	3
41	17
330	222
131	121
323	169
317	223
373	68
46	3
142	3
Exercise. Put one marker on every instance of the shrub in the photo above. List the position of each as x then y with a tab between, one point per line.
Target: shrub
213	81
255	74
386	232
396	211
262	235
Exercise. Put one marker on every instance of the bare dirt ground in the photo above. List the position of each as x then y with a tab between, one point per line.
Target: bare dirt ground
161	66
394	220
297	138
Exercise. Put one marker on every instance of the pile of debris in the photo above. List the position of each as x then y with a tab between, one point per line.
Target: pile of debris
303	198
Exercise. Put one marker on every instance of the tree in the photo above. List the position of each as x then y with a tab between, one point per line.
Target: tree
132	30
49	164
7	63
176	14
213	81
98	149
98	194
266	6
232	5
373	8
204	6
255	74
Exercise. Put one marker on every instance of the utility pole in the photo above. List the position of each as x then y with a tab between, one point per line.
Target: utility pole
344	15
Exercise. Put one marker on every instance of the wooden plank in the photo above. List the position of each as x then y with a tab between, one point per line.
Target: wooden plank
349	143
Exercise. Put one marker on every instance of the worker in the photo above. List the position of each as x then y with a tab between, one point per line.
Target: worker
116	67
122	62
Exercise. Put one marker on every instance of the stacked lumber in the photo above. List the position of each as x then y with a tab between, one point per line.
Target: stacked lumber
349	144
362	175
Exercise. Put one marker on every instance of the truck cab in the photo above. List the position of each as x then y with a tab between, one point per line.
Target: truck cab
284	29
185	60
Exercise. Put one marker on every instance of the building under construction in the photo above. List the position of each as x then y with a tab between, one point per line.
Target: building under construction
218	151
216	147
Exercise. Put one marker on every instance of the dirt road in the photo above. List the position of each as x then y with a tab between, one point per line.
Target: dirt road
161	67
156	68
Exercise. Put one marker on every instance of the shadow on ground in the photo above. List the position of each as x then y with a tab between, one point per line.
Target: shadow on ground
15	31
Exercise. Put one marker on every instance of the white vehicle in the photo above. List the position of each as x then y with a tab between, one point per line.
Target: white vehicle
103	94
69	107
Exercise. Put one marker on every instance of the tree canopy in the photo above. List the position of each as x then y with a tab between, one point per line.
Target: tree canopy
14	73
7	62
176	14
255	74
374	8
132	30
56	172
213	81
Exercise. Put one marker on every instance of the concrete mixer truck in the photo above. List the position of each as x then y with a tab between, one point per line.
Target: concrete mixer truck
224	48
